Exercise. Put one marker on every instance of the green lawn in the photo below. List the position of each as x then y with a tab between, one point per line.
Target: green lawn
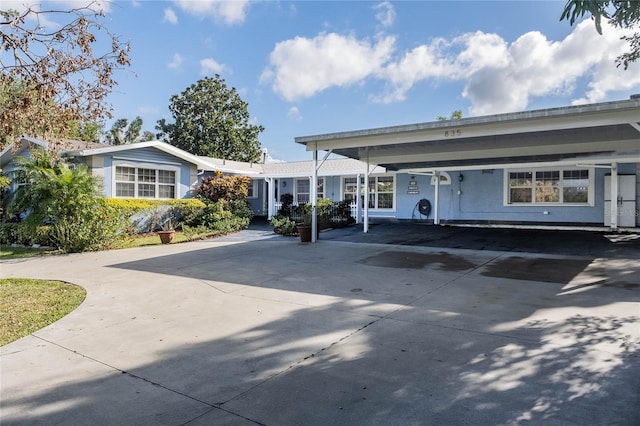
28	305
8	252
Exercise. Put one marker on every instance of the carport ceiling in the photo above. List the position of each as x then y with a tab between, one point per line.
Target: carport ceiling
542	136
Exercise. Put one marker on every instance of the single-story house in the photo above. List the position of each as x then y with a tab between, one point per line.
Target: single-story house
569	166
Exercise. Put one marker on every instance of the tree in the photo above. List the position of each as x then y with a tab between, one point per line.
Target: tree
85	131
455	115
51	76
212	120
622	14
122	132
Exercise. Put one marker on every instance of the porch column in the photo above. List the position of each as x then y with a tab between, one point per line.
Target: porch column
271	202
313	193
358	196
436	207
614	196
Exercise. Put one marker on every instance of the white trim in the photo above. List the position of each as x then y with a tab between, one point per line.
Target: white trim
144	165
590	191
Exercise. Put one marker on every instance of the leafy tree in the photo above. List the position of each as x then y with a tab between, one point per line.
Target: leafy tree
455	115
84	131
622	14
125	132
51	77
68	199
147	136
212	120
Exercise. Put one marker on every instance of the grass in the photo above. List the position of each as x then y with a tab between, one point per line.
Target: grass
27	305
8	252
143	240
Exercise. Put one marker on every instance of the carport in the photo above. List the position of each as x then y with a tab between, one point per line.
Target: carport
593	136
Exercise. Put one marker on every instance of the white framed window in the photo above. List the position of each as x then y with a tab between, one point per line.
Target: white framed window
302	190
252	189
382	194
131	180
558	186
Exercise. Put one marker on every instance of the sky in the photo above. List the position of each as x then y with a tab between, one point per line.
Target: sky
314	67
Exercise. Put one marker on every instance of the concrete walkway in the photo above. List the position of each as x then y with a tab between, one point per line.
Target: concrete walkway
260	329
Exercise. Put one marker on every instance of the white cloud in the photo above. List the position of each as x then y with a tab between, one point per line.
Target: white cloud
170	16
534	66
210	65
302	67
498	76
230	12
386	14
294	113
176	61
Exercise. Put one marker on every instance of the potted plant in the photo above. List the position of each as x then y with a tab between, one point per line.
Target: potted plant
304	228
167	233
168	230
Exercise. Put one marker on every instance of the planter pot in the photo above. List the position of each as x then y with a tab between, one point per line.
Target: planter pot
305	233
166	236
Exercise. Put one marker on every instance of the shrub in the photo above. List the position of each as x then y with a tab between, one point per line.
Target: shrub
224	187
283	225
19	233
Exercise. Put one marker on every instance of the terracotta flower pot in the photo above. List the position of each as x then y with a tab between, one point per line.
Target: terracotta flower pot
166	236
305	233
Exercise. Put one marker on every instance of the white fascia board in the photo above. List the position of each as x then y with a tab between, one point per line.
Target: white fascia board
474	127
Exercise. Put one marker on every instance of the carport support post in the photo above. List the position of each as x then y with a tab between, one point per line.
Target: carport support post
614	196
436	207
313	192
366	198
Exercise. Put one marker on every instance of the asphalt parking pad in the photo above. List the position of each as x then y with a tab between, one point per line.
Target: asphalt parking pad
412	260
536	269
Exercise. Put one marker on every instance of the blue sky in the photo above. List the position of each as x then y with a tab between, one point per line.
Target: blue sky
309	67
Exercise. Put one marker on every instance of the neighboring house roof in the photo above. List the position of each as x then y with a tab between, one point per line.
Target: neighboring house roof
26	142
330	167
230	166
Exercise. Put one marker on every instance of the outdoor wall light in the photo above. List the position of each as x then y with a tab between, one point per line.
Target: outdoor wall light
284	183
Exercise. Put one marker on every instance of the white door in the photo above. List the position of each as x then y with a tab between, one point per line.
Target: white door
626	201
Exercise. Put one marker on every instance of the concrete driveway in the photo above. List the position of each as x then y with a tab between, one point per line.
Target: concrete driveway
256	329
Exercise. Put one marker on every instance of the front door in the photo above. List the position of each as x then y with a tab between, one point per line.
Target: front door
626	201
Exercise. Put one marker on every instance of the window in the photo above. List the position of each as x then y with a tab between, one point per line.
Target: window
143	182
303	188
381	191
563	186
252	189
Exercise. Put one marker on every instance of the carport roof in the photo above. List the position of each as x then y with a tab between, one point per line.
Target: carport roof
590	134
